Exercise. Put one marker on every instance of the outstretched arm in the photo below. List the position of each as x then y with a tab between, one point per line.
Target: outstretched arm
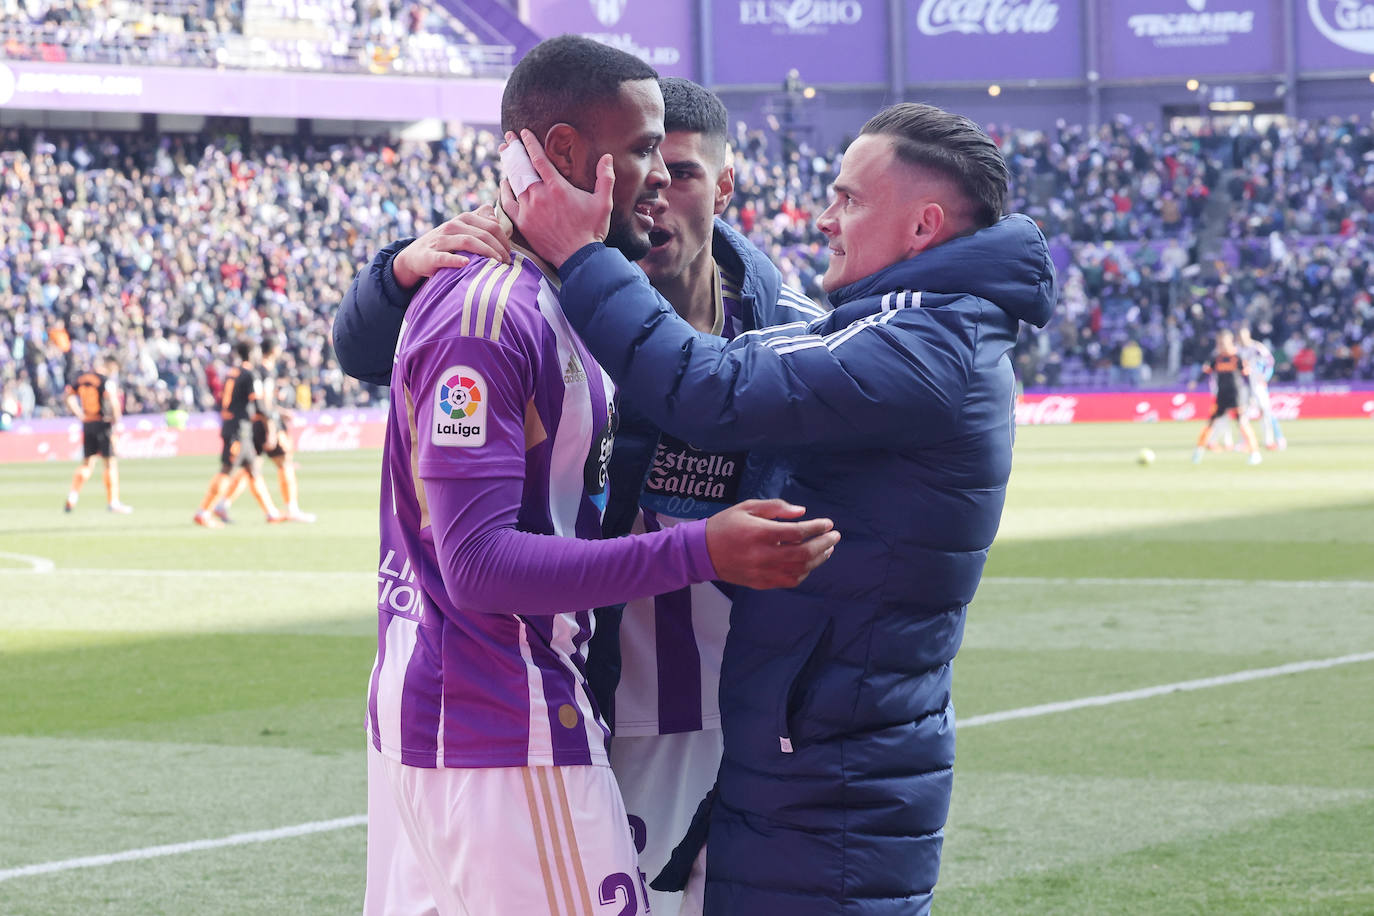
898	373
369	319
894	375
472	494
490	566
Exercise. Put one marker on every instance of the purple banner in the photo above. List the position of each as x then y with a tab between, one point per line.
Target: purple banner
187	90
1335	35
827	41
147	421
661	34
1184	38
988	40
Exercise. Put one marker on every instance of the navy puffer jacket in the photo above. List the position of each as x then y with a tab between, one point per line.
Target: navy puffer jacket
893	415
368	324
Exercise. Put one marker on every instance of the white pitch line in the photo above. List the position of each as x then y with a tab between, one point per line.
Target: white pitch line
36	564
1181	583
153	852
43	565
194	573
1144	693
1028	712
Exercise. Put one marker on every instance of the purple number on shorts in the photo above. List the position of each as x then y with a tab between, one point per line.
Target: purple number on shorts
644	887
640	831
610	893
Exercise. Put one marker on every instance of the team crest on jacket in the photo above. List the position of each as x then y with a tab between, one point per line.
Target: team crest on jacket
460	408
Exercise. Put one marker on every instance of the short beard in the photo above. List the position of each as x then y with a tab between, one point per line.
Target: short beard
623	238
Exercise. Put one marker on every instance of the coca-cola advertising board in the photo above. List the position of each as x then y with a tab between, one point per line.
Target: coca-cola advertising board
1141	39
983	40
663	35
1042	409
755	42
150	436
1335	35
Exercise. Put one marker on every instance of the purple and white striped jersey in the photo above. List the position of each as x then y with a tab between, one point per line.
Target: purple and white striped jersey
489	382
671	645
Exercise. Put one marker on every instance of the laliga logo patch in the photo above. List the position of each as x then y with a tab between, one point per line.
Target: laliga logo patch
460	408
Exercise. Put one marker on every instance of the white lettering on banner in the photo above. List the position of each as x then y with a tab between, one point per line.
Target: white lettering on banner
340	438
160	443
1194	29
1351	25
6	84
664	56
1354	16
800	17
608	12
1286	406
1052	410
993	17
78	84
1186	411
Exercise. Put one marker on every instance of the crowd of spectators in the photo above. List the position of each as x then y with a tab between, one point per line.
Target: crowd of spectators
376	36
166	250
1161	239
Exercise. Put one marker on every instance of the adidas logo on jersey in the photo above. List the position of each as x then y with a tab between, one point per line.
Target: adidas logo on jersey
573	373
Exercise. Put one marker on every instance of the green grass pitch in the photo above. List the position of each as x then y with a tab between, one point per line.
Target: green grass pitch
164	684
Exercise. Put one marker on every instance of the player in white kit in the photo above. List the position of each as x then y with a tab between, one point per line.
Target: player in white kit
1260	361
668	737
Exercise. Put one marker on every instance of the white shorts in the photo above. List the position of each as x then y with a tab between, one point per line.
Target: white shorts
538	841
395	884
664	778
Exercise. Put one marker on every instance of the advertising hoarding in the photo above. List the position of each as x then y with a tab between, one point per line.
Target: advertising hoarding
149	436
827	41
1335	35
662	34
189	90
1141	39
1055	408
989	40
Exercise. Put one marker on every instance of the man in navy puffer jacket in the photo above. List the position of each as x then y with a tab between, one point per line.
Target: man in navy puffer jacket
894	416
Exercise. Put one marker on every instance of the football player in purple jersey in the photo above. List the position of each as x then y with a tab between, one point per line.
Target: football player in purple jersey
488	753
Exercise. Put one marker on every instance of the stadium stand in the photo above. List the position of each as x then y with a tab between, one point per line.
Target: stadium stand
364	36
1160	239
166	249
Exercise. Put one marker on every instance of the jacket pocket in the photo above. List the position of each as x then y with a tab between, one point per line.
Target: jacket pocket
800	665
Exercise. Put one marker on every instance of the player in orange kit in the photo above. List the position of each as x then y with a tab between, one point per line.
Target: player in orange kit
94	398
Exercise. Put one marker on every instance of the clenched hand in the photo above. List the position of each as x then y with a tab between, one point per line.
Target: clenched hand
752	544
